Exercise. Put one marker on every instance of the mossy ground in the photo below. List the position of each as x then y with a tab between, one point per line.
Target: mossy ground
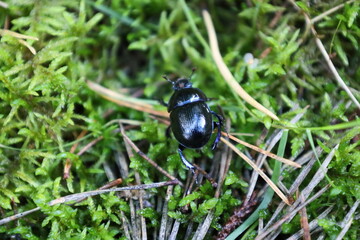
126	46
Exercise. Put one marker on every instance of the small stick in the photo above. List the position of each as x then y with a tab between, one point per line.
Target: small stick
267	153
89	145
77	196
106	186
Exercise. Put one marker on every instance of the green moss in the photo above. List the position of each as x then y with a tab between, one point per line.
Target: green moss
45	104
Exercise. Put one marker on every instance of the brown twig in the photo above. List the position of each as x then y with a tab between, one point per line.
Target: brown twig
89	145
304	221
68	163
240	213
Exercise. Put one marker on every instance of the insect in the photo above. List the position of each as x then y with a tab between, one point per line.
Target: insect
191	119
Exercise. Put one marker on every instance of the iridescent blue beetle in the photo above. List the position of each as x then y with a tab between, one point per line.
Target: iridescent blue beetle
191	118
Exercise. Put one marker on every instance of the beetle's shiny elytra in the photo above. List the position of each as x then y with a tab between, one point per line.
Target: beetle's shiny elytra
191	118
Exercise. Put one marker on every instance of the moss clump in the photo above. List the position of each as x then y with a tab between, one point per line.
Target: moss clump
49	49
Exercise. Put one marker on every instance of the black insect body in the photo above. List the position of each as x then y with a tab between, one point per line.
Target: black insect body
191	118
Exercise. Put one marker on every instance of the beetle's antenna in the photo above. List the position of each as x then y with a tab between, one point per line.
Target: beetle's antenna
167	79
192	73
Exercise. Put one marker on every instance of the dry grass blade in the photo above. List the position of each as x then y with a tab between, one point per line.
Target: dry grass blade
16	35
270	144
224	70
141	194
89	145
28	46
330	11
267	153
290	214
126	101
348	220
201	232
318	176
106	186
164	218
136	234
326	56
126	225
174	230
258	170
20	38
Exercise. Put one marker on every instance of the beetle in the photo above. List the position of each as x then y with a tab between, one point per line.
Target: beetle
191	119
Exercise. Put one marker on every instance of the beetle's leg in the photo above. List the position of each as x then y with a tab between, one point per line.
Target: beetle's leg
162	102
168	132
218	135
184	161
218	125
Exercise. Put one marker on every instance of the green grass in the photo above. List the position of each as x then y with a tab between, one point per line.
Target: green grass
126	46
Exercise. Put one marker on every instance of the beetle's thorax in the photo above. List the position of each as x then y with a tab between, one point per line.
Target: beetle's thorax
186	96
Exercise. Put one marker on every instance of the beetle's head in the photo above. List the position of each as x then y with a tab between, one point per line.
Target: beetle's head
181	82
